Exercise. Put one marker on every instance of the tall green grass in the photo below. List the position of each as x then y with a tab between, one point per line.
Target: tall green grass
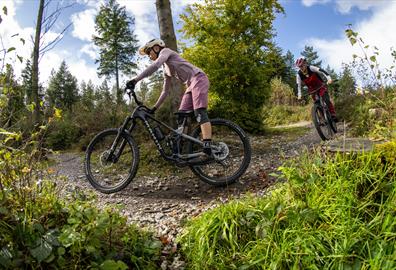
336	211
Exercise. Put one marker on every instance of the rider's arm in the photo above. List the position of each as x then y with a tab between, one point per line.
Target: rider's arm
298	79
163	56
165	91
321	71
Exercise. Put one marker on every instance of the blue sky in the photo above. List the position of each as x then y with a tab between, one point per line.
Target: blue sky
317	23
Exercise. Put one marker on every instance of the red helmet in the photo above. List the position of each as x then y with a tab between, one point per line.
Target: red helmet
301	62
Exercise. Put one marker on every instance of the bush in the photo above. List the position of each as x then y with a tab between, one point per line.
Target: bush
62	134
281	93
357	111
40	231
335	212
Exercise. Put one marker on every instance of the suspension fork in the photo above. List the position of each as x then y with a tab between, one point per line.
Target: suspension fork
123	128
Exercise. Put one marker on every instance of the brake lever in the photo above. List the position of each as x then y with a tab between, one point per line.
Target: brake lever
129	93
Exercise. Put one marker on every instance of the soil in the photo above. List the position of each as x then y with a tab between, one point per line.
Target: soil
165	203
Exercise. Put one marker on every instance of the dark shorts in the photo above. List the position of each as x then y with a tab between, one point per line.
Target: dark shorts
196	95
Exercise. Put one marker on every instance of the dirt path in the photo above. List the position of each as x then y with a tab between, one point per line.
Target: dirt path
164	203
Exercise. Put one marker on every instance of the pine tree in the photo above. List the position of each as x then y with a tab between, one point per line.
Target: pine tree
27	82
62	88
333	88
290	74
346	83
116	42
312	56
88	94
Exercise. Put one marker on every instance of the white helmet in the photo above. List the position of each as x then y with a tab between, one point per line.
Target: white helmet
151	44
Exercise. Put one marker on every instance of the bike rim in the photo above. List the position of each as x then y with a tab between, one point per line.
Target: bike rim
105	170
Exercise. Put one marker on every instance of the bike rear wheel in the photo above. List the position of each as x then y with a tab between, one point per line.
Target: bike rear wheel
322	122
110	172
233	154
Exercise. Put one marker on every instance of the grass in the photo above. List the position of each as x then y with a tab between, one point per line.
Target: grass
284	114
334	212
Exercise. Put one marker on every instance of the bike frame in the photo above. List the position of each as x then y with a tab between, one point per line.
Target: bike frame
141	113
319	99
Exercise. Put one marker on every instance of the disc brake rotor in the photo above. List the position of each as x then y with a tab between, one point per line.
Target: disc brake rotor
104	159
221	151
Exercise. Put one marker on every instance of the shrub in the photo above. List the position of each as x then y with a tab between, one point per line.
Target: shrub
356	111
62	134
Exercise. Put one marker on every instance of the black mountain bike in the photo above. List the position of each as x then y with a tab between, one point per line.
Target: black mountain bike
112	157
321	117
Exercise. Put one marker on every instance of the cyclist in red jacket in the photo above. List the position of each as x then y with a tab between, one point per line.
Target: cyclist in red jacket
311	77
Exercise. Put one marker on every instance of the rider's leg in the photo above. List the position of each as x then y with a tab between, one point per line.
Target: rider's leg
326	98
199	89
201	115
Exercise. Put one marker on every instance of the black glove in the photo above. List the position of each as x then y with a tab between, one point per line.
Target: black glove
152	110
131	84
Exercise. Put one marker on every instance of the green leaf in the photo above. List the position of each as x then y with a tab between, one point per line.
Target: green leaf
20	58
373	58
61	251
11	49
3	210
22	40
5	10
112	265
42	251
352	40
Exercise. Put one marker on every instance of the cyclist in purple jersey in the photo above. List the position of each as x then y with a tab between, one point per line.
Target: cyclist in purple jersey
195	97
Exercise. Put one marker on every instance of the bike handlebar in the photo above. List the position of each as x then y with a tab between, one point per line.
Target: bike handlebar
320	87
130	92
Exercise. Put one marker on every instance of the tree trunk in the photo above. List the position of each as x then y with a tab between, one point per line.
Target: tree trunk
167	33
35	68
118	92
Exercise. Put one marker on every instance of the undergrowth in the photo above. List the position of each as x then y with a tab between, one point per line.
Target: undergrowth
336	211
41	230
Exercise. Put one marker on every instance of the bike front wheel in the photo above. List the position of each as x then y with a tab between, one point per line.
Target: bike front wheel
321	119
110	171
232	151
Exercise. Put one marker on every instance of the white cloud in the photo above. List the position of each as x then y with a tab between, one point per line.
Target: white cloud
309	3
345	6
84	24
376	31
90	50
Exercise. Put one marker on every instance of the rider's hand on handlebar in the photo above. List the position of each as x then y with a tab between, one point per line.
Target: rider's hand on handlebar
152	110
329	81
131	84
